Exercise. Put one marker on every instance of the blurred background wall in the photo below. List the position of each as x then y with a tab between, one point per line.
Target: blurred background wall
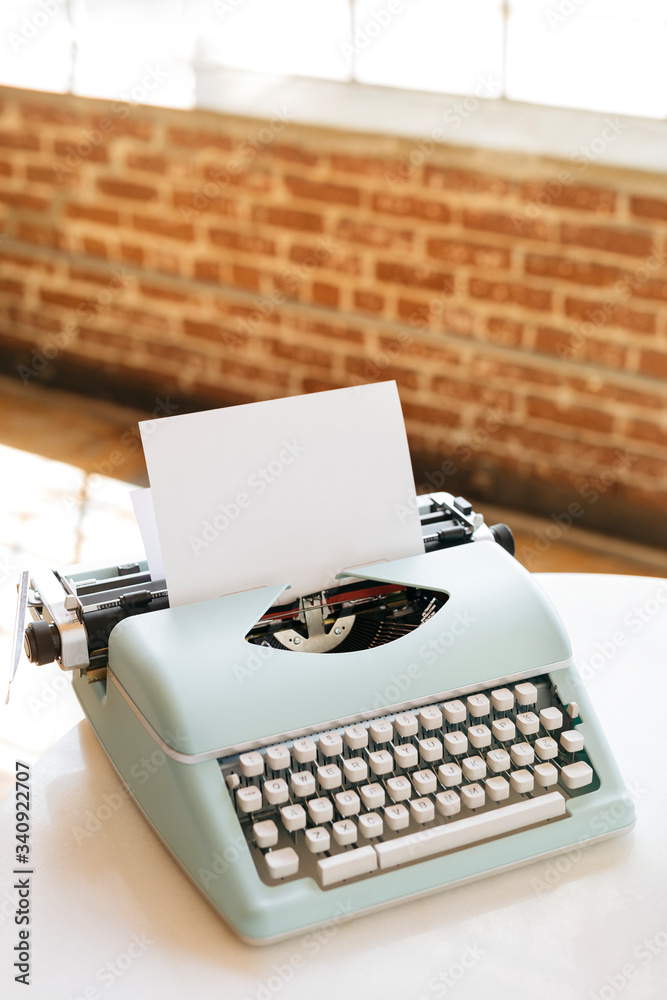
518	300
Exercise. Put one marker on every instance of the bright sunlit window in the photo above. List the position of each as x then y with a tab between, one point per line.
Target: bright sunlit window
602	55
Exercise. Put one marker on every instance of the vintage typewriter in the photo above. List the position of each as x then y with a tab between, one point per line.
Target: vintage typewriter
420	726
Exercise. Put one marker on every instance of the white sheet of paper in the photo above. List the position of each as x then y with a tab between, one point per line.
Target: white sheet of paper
142	501
284	491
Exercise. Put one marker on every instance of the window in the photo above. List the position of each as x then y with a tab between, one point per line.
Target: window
603	55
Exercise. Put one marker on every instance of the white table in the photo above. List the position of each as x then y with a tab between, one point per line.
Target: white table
114	916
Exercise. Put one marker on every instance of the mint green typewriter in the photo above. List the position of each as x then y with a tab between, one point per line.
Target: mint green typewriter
416	728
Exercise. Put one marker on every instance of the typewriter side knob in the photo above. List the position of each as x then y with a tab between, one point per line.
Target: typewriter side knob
503	535
41	642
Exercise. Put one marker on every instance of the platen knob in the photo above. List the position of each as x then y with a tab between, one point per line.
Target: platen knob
41	642
503	535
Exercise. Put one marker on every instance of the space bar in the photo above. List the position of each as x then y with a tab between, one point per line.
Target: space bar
460	832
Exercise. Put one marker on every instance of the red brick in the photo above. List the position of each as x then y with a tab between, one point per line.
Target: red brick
244	242
105	216
511	293
421	352
409	207
11	286
48	113
430	415
294	154
191	205
198	139
464	253
31	262
614	239
207	270
6	168
586	198
61	299
31	319
369	165
414	277
506	224
139	319
40	175
125	189
288	218
647	430
19	140
246	277
151	164
17	199
301	354
329	331
615	315
595	350
504	331
162	292
254	373
105	338
339	194
368	234
374	369
94	247
324	294
653	363
131	253
163	227
649	208
451	178
470	392
491	370
569	416
608	391
655	289
206	331
47	236
369	301
73	158
572	270
131	125
320	256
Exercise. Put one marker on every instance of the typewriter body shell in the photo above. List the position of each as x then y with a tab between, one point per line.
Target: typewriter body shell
184	689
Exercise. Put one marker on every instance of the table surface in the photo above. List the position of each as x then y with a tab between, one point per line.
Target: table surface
113	916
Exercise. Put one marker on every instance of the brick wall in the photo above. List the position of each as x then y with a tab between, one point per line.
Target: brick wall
519	302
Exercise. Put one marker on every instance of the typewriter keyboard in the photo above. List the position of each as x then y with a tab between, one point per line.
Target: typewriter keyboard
360	799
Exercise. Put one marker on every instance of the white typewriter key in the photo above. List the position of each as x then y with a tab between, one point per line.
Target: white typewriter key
448	803
430	717
503	730
278	758
293	817
474	768
472	796
406	724
424	781
276	791
249	799
478	705
349	864
454	712
381	730
546	748
545	775
525	694
373	795
396	817
381	762
370	825
456	743
527	723
551	718
317	839
572	741
347	803
498	760
302	783
282	863
320	810
522	754
329	776
479	736
399	788
497	788
430	749
331	744
502	700
356	769
356	737
576	775
345	832
522	781
406	755
265	833
233	781
573	710
422	810
252	764
304	751
449	775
